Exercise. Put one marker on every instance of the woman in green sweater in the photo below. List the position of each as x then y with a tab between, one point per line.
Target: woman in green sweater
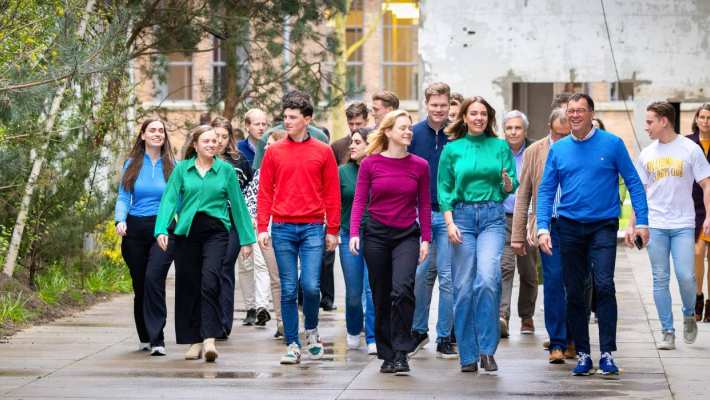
201	185
476	173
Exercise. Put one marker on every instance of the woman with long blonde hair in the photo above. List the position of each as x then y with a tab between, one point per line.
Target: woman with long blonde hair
394	185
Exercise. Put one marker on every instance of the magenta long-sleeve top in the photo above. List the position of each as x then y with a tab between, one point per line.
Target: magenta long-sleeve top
395	191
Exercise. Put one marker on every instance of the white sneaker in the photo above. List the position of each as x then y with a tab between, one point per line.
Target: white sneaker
353	341
143	346
293	355
668	341
158	351
372	348
314	347
690	329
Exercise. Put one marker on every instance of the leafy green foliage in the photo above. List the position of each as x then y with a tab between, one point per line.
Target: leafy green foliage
13	308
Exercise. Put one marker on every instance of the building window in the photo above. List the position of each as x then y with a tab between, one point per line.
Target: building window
621	91
354	31
178	78
218	67
399	61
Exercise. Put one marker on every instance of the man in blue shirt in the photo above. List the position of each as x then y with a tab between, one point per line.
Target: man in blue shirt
586	165
428	141
515	126
255	123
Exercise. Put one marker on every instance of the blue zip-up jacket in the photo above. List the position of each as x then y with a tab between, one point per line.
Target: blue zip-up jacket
144	201
587	172
245	148
428	144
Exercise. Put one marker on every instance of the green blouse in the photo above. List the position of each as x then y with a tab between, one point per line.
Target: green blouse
348	179
208	194
470	171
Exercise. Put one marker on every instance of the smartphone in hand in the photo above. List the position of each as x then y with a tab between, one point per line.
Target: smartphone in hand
638	242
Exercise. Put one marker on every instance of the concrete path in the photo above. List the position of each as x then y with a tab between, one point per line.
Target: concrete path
92	356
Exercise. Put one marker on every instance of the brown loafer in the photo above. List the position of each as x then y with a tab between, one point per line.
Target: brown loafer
557	357
488	363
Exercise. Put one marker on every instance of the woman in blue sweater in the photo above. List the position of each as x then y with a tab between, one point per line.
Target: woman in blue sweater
143	180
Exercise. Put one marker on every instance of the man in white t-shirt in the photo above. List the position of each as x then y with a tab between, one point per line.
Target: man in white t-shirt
667	168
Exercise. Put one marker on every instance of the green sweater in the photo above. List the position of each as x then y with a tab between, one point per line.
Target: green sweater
208	194
348	178
470	171
261	144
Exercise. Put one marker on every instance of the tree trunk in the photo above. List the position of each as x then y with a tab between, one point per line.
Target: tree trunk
51	116
339	88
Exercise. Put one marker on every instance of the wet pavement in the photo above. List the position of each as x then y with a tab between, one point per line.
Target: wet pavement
92	355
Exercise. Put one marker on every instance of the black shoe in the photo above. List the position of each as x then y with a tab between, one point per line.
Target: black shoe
488	363
401	366
262	316
473	367
328	306
421	340
387	367
250	318
445	350
279	335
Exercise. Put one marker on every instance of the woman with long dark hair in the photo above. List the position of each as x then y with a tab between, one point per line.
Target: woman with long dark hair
476	173
143	181
202	185
394	186
227	150
701	136
357	286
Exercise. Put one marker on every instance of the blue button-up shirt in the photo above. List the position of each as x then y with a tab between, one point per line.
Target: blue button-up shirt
509	202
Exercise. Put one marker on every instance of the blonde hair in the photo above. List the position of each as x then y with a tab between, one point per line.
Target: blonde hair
377	139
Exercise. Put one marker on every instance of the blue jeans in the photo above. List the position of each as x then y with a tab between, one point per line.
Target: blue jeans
292	242
477	278
588	251
678	243
357	288
424	282
554	293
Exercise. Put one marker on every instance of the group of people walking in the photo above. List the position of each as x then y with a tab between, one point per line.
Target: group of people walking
406	204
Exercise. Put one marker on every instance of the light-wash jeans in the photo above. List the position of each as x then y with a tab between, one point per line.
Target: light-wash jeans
679	244
477	278
291	243
424	282
357	288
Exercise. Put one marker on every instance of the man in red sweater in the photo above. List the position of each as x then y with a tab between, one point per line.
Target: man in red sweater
298	191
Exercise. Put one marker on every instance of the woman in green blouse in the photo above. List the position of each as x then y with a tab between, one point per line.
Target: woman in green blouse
201	185
476	173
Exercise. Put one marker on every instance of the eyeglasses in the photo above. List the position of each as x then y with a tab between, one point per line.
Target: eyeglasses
578	111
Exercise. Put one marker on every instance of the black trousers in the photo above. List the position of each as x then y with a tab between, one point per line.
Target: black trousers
327	282
392	255
199	258
226	287
148	265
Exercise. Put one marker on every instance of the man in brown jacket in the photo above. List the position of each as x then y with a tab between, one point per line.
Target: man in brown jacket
524	234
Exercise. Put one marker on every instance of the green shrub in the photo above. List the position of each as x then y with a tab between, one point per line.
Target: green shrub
108	278
52	284
12	308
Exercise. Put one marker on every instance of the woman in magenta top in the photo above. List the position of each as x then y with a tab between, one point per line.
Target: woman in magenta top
394	185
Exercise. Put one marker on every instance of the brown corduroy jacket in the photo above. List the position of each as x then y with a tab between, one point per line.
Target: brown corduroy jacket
524	221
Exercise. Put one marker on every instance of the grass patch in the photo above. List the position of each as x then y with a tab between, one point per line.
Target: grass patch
13	308
109	278
52	284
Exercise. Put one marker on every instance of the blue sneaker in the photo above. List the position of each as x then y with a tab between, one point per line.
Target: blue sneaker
584	365
607	365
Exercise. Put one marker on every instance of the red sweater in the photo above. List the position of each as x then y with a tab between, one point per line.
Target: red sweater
298	183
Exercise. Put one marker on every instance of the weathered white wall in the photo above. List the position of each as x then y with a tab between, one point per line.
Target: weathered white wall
481	47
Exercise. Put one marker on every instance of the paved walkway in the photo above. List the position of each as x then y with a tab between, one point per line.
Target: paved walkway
92	356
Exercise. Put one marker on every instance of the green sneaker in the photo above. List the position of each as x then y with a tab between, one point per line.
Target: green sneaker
293	355
314	345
